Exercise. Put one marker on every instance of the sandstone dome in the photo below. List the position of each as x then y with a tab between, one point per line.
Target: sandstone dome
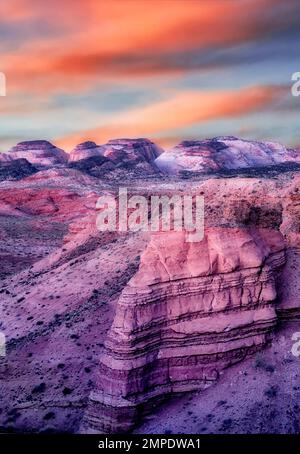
223	153
39	152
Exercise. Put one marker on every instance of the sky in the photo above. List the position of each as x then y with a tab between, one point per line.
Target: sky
168	70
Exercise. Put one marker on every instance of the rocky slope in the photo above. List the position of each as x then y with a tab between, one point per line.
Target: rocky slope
16	169
97	166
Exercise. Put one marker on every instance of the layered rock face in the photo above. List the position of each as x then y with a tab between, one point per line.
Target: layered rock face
131	149
132	158
117	159
191	310
118	150
39	152
224	153
85	150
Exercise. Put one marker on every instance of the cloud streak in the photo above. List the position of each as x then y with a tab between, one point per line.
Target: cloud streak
179	110
130	38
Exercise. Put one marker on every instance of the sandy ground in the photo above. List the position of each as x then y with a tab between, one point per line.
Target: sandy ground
55	321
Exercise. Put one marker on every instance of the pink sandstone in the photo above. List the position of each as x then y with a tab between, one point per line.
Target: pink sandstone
191	310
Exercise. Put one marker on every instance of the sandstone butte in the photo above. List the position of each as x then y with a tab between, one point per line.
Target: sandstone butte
191	310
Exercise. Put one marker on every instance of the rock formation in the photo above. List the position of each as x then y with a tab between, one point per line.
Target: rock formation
131	150
39	152
132	157
85	150
117	159
224	153
192	310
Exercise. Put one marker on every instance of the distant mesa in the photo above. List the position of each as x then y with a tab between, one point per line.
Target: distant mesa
118	150
85	145
133	150
85	150
223	153
121	158
116	158
39	152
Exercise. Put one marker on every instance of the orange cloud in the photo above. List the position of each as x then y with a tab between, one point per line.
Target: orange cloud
15	10
181	109
107	40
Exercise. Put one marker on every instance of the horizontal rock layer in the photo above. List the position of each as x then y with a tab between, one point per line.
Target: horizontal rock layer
191	310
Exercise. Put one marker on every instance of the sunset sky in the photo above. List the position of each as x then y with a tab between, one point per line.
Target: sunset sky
164	69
